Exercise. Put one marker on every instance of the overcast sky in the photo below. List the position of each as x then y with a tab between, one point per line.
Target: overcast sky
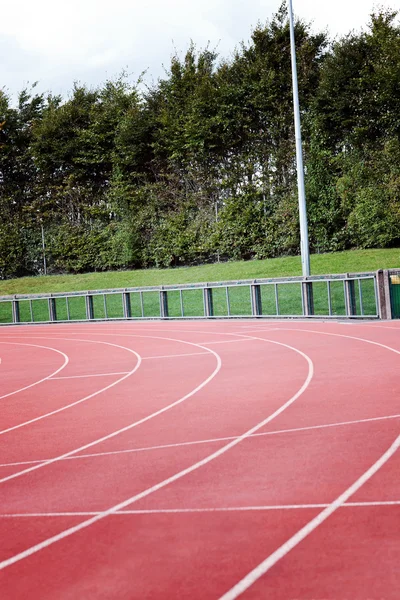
57	43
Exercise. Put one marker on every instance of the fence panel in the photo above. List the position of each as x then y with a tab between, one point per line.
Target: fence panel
366	297
240	301
338	298
40	310
174	303
193	302
290	299
62	309
355	296
151	304
77	308
114	306
6	315
220	302
25	311
99	311
268	300
395	295
321	298
136	304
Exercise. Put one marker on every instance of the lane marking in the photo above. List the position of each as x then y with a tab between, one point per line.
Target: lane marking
67	406
342	335
121	505
125	372
131	425
177	355
161	511
27	387
292	542
376	326
121	334
89	375
249	339
208	441
254	575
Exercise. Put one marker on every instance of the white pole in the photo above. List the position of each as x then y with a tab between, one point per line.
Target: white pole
304	249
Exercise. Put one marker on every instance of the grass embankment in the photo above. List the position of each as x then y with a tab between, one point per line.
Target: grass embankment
354	261
285	299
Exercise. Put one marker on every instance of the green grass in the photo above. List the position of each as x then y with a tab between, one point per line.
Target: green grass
354	261
236	302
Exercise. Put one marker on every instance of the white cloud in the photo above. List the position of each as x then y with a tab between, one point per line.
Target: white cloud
90	40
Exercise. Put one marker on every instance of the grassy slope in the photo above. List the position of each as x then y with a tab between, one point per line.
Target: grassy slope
340	262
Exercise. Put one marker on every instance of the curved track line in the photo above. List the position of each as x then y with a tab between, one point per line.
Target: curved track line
131	425
66	360
350	337
58	410
68	532
207	441
292	542
305	531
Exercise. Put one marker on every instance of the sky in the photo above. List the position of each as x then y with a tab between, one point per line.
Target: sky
56	42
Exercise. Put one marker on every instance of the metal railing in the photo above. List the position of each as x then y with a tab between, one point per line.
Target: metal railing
328	296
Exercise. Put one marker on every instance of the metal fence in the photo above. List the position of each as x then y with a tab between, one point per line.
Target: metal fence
394	278
331	296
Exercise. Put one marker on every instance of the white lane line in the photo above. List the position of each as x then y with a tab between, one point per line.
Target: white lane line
254	508
205	343
89	375
376	503
125	372
27	387
208	441
177	511
131	425
249	339
349	337
305	531
176	355
376	326
68	532
67	406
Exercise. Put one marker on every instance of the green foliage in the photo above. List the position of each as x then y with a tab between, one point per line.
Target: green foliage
241	227
371	191
76	248
201	165
12	251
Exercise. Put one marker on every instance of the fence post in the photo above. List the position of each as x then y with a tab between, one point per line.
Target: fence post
163	304
350	298
89	307
15	311
52	309
383	289
256	301
308	298
208	302
126	300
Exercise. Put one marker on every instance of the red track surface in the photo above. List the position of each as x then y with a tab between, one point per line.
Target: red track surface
200	460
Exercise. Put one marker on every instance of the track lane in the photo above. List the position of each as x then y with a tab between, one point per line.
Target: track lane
15	378
178	547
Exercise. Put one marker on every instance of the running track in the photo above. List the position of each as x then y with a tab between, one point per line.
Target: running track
200	460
